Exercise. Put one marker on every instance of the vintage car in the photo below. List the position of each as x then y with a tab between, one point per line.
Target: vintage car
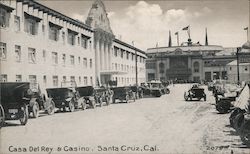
102	94
66	97
87	93
138	91
195	92
223	98
14	101
39	102
123	94
154	88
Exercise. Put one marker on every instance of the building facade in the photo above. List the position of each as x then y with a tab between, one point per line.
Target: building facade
115	59
187	63
39	44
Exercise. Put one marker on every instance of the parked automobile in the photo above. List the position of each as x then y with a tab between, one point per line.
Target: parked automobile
123	94
87	93
195	92
102	94
39	102
66	97
14	101
138	91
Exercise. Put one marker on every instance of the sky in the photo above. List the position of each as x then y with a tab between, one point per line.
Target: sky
148	22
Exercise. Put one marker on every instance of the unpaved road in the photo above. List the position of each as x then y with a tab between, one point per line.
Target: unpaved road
159	125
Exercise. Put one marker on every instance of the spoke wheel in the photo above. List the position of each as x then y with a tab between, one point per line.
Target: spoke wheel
71	106
51	108
25	115
35	110
2	116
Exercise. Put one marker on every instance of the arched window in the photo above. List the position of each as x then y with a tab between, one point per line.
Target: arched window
196	67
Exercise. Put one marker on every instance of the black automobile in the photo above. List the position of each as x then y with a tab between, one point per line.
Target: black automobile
87	93
123	94
39	102
66	98
14	101
195	92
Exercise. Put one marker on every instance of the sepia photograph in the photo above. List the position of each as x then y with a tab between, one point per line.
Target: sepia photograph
124	77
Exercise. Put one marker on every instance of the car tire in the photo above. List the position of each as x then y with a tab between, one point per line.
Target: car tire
51	108
25	112
71	106
2	116
35	110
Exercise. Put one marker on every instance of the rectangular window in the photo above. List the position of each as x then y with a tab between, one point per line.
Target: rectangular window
72	78
72	60
79	60
54	58
122	53
55	81
32	55
18	53
18	78
3	77
85	80
63	59
78	40
64	79
127	55
44	55
90	63
32	79
84	41
4	18
31	26
91	81
17	23
3	51
85	62
115	51
80	80
53	33
71	37
63	37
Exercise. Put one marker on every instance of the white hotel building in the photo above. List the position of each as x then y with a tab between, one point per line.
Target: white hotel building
38	44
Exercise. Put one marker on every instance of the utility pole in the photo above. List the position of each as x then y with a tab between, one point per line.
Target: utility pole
136	71
238	70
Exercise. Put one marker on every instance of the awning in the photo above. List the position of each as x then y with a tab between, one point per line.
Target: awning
7	8
29	16
112	72
72	32
55	25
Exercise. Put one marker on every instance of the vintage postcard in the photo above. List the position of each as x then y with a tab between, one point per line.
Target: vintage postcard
124	76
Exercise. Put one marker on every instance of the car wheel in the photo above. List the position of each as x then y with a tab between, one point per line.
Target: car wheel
205	98
25	115
167	91
185	96
2	116
35	110
127	99
222	107
84	105
51	108
71	106
93	104
245	133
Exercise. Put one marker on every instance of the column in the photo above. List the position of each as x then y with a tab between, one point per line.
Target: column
97	60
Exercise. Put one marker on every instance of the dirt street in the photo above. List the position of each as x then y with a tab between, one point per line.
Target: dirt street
159	125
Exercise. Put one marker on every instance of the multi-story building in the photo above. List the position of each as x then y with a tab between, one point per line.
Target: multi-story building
39	44
115	59
189	63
